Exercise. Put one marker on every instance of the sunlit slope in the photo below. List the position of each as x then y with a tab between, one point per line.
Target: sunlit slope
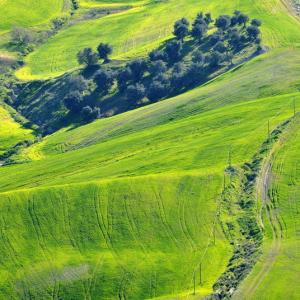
136	31
276	274
133	238
11	132
27	13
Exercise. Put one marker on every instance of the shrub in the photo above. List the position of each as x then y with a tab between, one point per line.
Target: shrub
104	80
173	51
138	68
157	90
136	92
87	57
223	22
157	67
181	29
73	102
89	114
104	50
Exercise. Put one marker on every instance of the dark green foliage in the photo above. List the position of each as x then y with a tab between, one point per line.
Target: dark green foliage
104	80
157	90
157	55
124	75
256	22
138	68
136	92
223	22
104	50
73	102
253	32
157	67
173	51
87	57
89	114
181	29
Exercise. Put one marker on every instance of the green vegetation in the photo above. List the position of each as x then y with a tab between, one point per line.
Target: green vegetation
132	33
157	202
281	221
11	132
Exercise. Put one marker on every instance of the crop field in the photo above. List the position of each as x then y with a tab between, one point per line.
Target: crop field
127	207
136	31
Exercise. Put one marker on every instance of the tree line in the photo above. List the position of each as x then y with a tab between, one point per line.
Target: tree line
197	50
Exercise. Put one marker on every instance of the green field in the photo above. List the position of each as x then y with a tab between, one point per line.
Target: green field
138	30
274	277
127	207
28	13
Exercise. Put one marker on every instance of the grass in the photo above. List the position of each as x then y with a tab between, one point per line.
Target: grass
126	206
27	13
11	132
132	32
280	252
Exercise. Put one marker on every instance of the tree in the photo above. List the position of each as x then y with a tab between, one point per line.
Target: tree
89	114
208	19
73	102
256	22
214	59
104	80
242	19
124	75
194	74
200	26
138	67
220	47
157	67
198	57
104	50
214	38
198	31
173	51
136	92
181	29
223	22
253	32
157	90
87	57
21	37
157	55
78	83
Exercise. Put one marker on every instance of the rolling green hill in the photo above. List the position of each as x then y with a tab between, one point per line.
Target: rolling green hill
129	207
28	13
132	32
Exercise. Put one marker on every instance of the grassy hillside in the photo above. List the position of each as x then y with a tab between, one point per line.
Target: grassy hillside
132	32
128	207
281	255
28	13
125	229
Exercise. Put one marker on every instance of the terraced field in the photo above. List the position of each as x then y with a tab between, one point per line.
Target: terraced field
128	207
